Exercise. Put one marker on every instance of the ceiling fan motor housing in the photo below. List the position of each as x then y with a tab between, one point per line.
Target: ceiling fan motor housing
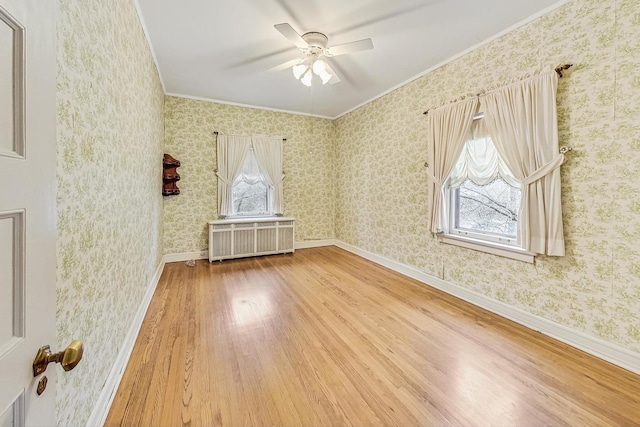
316	39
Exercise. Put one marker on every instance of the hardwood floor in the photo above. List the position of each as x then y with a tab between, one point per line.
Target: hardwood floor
326	338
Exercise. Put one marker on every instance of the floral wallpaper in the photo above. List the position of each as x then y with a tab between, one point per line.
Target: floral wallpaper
307	163
381	184
109	203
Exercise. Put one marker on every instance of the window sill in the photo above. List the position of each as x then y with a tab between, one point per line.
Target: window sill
251	216
247	220
491	248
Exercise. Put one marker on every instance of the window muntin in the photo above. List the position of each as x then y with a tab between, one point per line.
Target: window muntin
250	194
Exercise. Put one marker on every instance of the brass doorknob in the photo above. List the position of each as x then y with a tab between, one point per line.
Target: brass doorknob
68	358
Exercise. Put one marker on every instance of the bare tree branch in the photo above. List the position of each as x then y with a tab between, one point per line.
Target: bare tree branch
511	214
490	208
487	205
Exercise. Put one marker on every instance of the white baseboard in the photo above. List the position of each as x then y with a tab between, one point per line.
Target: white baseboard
597	347
103	404
186	256
305	244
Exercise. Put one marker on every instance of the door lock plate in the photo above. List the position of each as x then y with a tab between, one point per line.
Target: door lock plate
68	358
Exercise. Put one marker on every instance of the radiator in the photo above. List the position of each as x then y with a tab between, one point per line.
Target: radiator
244	237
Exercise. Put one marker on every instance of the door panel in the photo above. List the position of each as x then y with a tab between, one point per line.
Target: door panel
11	85
13	416
27	208
12	286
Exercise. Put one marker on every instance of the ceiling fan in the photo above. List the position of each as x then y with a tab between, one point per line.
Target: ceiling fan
313	46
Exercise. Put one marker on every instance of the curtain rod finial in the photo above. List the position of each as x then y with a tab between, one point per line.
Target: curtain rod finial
561	68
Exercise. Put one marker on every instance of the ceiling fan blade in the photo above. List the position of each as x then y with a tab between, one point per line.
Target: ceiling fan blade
334	76
291	34
285	65
341	49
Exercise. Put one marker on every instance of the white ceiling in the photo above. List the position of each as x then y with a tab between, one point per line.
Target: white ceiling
221	49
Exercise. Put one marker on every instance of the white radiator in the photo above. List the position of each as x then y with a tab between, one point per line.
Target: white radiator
243	237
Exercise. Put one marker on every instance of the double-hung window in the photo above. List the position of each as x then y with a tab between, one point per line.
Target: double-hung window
482	196
498	190
249	175
250	194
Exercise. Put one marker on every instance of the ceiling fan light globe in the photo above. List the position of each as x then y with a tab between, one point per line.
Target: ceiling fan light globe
307	78
298	70
325	77
319	67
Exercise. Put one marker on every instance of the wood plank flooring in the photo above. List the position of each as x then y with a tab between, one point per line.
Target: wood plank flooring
326	338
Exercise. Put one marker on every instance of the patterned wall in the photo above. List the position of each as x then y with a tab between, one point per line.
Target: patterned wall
308	164
110	139
381	200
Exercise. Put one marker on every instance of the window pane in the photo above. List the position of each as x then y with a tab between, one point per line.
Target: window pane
249	199
491	208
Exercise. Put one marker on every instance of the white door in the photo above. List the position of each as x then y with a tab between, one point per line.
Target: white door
27	207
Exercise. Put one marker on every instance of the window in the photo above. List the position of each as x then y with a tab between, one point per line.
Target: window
482	195
250	176
250	194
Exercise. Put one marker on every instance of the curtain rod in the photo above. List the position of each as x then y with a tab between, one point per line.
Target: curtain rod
563	150
559	69
216	133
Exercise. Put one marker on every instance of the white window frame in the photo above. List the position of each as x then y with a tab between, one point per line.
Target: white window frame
252	215
495	244
505	251
453	200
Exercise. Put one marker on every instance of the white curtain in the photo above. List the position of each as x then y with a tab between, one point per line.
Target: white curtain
523	124
268	151
448	131
231	150
479	160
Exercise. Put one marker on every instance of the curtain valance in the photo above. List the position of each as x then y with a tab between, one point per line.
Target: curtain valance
479	160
